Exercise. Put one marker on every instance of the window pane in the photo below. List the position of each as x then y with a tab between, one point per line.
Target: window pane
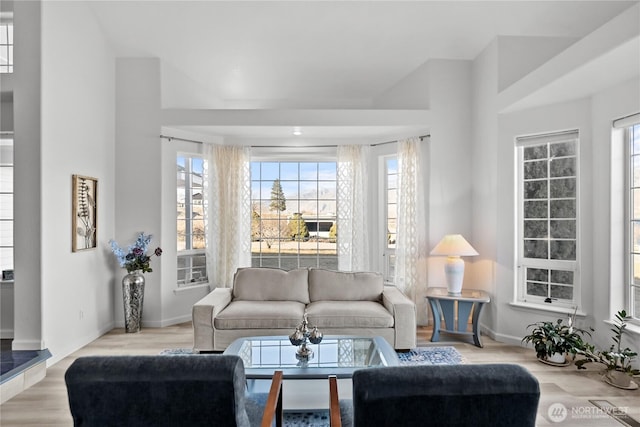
561	292
289	171
563	208
6	206
563	229
535	152
635	242
535	190
6	233
535	249
562	149
6	179
562	277
562	188
635	202
636	170
562	167
535	209
635	302
535	170
636	269
392	181
535	229
537	289
308	190
270	171
392	196
309	171
327	171
538	274
563	249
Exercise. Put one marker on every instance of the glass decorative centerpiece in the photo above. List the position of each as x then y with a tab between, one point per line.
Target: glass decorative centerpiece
303	335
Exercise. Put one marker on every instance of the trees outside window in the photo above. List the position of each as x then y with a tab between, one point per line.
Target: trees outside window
293	210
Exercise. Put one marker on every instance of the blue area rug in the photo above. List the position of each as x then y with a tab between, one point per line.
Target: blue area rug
431	356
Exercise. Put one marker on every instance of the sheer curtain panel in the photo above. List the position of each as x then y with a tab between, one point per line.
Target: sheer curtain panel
227	210
411	241
352	224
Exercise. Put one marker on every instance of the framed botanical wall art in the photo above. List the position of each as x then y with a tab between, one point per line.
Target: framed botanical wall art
84	213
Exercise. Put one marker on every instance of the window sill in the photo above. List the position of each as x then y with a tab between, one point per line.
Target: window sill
547	308
191	288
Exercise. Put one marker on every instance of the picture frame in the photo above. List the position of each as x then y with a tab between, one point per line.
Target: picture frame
84	213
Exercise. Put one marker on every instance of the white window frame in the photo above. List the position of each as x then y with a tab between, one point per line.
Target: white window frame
7	143
524	263
190	270
294	155
6	45
388	252
627	124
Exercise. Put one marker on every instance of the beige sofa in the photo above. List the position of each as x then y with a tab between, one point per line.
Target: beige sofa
269	301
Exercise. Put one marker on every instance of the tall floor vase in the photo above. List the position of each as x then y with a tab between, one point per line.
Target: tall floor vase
133	296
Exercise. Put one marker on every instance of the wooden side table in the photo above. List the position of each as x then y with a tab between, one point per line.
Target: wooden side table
447	306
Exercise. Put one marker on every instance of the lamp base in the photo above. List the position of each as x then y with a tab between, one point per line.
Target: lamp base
454	272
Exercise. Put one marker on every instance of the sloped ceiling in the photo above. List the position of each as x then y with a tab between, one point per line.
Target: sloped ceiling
319	54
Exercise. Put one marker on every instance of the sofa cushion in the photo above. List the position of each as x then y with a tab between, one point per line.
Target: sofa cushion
271	284
348	314
260	315
344	286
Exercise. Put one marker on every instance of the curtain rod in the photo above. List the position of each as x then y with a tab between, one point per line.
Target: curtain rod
285	146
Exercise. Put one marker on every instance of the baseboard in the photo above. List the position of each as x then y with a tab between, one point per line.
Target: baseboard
503	338
159	323
78	344
27	344
6	334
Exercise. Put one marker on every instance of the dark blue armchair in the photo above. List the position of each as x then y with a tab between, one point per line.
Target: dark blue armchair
167	391
491	395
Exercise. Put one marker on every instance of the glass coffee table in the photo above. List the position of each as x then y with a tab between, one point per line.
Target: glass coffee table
306	385
335	355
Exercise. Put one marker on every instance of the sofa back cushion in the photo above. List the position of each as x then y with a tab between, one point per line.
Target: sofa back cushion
271	284
328	285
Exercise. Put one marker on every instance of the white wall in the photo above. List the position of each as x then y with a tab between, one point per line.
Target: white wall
28	249
77	138
138	181
445	87
484	177
606	106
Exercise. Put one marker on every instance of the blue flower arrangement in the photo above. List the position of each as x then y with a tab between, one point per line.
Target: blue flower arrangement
135	257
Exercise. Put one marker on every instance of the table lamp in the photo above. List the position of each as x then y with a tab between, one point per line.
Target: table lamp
453	246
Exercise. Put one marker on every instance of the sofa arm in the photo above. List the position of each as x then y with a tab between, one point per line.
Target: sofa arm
203	313
404	317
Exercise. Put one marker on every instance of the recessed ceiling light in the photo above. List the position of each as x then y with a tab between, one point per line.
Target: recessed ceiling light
297	131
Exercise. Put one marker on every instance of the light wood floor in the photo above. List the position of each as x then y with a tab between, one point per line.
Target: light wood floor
46	402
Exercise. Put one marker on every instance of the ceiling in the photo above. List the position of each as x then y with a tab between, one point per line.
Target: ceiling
321	54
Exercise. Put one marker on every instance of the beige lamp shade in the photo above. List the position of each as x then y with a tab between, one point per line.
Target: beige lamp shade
454	245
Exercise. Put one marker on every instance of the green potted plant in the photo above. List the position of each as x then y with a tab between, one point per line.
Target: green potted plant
617	361
554	340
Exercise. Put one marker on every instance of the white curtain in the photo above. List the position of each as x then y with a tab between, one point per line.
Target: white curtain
227	211
352	224
411	240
